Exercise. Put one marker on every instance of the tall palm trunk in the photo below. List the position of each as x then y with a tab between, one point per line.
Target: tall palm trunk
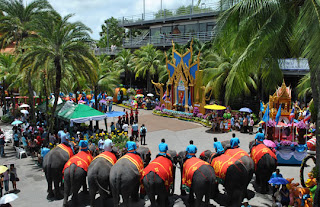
57	65
95	88
3	97
148	84
46	98
31	104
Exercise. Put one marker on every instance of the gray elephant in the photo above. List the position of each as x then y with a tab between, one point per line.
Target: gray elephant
98	176
125	175
75	174
235	179
154	184
203	180
265	164
53	164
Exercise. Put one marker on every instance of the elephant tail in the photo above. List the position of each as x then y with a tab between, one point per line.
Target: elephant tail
105	190
72	171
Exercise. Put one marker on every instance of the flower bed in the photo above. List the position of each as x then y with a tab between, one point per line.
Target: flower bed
193	117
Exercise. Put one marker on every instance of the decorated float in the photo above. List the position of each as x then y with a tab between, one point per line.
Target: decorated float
287	133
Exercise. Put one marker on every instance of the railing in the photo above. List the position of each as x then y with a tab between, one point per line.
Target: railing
166	40
165	14
107	51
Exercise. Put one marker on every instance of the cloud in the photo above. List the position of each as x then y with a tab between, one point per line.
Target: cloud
93	13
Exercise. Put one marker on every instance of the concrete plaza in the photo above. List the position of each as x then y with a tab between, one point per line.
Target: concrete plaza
33	186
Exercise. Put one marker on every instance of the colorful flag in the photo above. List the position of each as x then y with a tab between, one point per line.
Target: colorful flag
278	114
266	115
291	116
261	106
307	116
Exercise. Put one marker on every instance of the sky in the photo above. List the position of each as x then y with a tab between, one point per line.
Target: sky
93	12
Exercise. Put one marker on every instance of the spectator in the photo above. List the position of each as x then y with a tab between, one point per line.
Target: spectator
2	142
16	138
108	145
245	125
125	128
245	203
24	141
135	131
13	176
143	133
276	174
221	126
232	122
101	143
285	197
241	124
6	180
1	184
251	123
113	128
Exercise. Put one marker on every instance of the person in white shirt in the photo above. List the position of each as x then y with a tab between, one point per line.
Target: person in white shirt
108	145
125	127
101	143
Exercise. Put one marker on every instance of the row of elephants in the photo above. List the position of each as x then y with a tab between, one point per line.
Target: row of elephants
109	176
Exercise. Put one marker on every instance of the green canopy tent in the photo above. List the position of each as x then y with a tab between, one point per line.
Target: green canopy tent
80	113
42	107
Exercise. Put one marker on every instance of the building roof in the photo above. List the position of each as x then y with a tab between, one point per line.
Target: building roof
294	66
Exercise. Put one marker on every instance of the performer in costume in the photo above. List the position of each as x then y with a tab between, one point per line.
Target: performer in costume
218	147
191	150
131	146
259	137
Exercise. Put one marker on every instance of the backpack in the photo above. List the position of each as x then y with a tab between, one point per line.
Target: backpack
143	131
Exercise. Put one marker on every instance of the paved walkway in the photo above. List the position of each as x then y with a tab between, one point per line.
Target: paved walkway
177	133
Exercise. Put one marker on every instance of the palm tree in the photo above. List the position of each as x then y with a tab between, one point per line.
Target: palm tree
8	73
16	24
60	43
148	63
266	30
125	62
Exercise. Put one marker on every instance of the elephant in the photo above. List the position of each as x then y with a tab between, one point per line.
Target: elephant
98	176
155	185
53	164
203	182
264	167
75	174
235	181
125	175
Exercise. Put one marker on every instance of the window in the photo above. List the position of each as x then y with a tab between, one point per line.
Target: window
191	28
203	27
166	30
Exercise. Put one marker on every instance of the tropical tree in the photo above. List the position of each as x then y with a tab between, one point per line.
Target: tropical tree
60	43
125	62
263	30
149	63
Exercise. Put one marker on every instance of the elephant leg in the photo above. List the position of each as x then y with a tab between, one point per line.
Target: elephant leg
125	198
135	193
103	197
57	191
75	189
84	186
67	189
152	198
116	197
163	200
92	192
191	196
50	191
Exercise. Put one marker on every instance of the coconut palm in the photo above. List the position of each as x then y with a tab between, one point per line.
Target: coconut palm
60	43
149	63
124	61
17	23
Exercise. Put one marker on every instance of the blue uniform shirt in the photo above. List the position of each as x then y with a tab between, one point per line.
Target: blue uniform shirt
131	146
44	151
163	148
191	151
218	147
234	142
260	137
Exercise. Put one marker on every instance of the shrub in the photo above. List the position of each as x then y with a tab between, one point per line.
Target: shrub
7	118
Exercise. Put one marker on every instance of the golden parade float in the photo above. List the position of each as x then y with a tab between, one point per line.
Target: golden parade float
283	128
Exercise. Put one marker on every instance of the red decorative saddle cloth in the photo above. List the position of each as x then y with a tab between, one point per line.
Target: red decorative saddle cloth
81	159
236	153
189	167
135	159
66	149
221	164
258	151
162	166
109	156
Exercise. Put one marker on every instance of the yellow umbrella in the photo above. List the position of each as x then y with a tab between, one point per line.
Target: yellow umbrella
215	107
3	169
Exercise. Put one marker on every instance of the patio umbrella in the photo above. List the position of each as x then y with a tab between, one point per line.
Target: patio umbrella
269	143
102	101
150	95
16	122
24	106
278	181
81	101
215	107
3	169
24	111
247	110
109	97
8	198
139	96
